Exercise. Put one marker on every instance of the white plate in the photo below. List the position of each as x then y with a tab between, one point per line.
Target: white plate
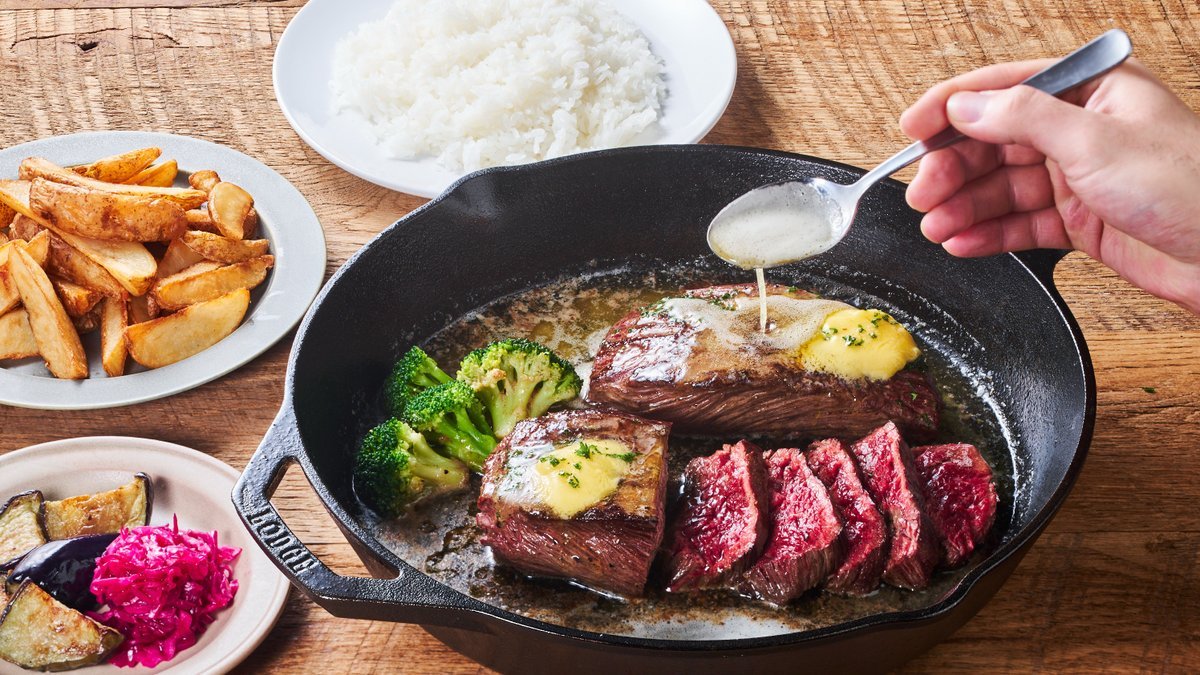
689	36
285	218
186	483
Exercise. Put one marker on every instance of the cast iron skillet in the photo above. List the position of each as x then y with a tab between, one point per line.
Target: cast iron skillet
503	230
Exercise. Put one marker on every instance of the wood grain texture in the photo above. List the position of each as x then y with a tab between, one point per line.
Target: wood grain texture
1111	586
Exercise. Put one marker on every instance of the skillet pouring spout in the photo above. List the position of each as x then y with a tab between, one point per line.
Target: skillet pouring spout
642	213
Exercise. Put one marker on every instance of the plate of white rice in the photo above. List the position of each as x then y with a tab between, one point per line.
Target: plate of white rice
412	94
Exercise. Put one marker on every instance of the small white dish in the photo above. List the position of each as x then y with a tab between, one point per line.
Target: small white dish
285	218
186	483
689	36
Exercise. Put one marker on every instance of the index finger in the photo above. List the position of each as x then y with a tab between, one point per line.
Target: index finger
927	115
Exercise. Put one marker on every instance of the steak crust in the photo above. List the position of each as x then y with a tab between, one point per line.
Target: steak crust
656	365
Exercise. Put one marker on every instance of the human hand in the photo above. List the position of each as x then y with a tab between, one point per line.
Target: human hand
1112	170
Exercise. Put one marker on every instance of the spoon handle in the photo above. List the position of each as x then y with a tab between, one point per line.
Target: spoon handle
1079	67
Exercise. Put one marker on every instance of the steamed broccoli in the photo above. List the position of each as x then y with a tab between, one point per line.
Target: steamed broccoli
451	418
395	467
413	373
517	379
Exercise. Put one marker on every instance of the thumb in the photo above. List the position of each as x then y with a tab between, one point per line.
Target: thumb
1022	115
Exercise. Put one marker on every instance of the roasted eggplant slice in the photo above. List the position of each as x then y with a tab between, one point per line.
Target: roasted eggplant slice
101	513
21	528
64	569
41	633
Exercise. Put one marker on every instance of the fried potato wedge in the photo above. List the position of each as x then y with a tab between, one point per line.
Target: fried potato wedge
105	215
114	319
16	337
119	168
178	257
77	300
161	342
7	213
159	175
229	206
198	219
38	249
202	282
223	249
37	167
88	323
57	340
204	180
140	309
69	263
127	261
23	227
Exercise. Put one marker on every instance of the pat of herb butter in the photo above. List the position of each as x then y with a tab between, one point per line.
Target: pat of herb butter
569	479
860	343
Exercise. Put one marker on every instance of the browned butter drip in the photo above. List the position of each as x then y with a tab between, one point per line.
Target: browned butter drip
572	317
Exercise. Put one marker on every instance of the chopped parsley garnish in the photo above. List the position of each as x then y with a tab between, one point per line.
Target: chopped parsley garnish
623	456
577	465
572	479
852	341
912	395
793	289
1150	390
584	450
552	461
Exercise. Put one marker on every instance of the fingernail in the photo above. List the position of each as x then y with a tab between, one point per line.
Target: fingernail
966	106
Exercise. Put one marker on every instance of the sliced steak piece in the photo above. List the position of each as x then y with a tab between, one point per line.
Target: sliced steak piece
721	525
960	497
663	362
579	495
886	465
804	545
864	532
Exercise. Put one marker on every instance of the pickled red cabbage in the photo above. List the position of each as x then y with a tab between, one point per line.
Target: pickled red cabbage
162	587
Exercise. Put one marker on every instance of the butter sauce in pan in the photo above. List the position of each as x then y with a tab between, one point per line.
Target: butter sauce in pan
572	317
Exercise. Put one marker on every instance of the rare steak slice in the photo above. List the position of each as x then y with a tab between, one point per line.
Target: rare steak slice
960	496
578	495
864	533
721	525
700	362
886	465
804	545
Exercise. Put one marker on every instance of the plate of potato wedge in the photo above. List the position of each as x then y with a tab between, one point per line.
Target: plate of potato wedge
136	265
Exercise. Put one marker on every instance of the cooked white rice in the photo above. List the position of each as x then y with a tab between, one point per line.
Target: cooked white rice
480	83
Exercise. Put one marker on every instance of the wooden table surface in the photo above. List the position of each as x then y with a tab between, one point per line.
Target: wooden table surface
1111	585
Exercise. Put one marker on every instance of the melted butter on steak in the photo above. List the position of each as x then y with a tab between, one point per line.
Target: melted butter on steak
567	479
713	333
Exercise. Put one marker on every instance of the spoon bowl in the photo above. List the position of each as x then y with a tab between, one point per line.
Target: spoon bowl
786	222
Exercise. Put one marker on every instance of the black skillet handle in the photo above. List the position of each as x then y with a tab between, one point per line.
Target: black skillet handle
1042	262
410	597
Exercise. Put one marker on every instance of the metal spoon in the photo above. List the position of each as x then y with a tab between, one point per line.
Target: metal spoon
749	231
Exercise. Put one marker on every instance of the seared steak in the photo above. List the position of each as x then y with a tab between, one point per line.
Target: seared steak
607	545
670	367
722	521
886	464
960	496
804	545
864	533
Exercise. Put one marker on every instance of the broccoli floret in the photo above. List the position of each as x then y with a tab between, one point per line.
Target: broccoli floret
396	467
413	373
518	379
451	418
